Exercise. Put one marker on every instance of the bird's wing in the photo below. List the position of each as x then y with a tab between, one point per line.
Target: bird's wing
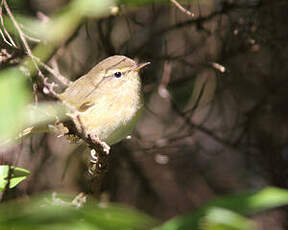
81	94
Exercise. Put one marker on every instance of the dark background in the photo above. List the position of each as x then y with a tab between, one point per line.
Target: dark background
186	149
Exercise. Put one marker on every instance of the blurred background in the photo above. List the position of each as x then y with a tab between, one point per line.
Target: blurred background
216	117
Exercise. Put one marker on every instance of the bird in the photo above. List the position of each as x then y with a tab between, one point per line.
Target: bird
108	100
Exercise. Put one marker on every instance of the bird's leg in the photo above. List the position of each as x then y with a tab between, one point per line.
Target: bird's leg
99	155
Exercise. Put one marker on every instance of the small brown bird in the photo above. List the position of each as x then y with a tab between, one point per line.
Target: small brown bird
108	100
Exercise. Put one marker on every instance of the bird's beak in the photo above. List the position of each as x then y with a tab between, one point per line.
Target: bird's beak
140	66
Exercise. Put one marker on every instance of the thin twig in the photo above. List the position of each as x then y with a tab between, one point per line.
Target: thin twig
49	86
162	89
193	21
99	162
28	50
199	8
185	11
55	73
21	34
11	43
5	40
4	55
93	140
202	129
37	40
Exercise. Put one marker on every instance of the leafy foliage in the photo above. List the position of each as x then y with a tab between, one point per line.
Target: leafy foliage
60	213
14	96
12	174
225	213
228	212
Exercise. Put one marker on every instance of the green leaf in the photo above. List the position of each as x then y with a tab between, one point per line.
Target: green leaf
223	219
44	113
14	96
92	8
16	176
115	217
245	204
56	214
65	22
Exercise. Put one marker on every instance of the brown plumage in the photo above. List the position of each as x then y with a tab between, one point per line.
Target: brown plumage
108	99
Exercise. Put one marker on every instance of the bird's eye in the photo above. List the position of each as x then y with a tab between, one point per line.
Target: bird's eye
118	74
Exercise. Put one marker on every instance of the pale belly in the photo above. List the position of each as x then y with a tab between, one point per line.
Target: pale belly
110	123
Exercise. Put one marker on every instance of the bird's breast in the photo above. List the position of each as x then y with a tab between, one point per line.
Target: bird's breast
113	115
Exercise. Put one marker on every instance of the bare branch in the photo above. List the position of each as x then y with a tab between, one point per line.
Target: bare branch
218	66
55	73
21	33
32	38
11	43
162	88
185	11
48	86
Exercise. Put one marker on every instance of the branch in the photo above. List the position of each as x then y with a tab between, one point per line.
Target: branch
195	21
185	11
55	73
11	43
49	87
21	33
99	162
200	128
99	154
